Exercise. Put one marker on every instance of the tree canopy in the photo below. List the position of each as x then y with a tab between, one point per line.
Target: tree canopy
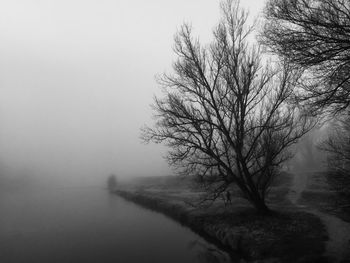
224	113
314	35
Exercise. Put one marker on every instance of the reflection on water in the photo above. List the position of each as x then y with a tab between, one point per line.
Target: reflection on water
89	225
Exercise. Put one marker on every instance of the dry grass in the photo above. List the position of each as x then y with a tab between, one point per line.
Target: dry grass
287	235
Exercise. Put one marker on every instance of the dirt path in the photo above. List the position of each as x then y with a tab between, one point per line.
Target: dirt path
338	245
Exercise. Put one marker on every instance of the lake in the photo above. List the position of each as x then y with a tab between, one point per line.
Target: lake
77	224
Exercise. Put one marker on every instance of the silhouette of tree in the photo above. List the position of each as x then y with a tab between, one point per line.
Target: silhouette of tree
314	35
224	114
112	182
337	146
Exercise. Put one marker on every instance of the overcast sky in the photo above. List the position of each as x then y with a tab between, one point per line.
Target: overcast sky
77	79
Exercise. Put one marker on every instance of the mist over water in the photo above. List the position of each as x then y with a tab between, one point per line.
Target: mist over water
89	225
76	82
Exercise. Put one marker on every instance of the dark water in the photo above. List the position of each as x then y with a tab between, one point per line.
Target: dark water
89	225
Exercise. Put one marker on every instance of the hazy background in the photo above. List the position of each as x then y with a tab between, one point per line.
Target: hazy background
77	79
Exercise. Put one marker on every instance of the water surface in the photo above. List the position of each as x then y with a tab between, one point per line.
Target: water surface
89	225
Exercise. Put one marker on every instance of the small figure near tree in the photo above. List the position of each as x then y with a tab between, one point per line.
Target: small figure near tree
112	183
227	198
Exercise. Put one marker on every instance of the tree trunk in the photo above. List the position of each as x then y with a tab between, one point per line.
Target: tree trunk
260	205
255	199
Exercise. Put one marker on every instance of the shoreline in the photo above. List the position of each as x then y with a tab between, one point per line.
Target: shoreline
249	237
177	213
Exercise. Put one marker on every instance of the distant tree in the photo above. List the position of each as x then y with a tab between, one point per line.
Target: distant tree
112	182
337	146
224	113
314	35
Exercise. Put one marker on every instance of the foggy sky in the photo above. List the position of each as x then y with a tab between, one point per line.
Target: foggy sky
77	79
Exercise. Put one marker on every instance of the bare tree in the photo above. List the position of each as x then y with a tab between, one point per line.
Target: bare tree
315	36
337	145
224	114
112	183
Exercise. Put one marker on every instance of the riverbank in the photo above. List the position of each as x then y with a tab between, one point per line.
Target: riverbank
285	236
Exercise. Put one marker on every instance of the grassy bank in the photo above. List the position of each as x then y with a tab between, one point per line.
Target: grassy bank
284	236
